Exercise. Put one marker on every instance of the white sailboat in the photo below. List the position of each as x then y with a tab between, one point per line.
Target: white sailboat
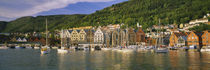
45	49
159	48
63	49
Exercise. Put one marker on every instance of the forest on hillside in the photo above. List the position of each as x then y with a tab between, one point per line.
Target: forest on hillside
145	12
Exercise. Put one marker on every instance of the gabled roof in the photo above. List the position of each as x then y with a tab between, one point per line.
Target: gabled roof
198	33
183	37
70	31
78	31
178	34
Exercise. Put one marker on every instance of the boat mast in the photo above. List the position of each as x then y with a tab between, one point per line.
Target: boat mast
62	38
46	34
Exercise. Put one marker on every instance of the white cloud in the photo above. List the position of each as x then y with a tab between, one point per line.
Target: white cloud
19	8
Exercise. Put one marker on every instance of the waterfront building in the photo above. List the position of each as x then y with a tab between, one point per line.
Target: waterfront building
82	35
65	36
98	36
115	38
194	39
122	37
107	39
131	36
206	38
178	39
74	37
90	36
140	37
149	41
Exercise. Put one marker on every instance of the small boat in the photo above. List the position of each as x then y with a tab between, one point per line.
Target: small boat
44	50
192	48
86	48
63	50
19	47
105	49
3	47
36	47
205	49
54	47
97	48
161	50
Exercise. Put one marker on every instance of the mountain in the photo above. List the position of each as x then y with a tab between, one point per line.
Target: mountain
31	24
145	12
2	25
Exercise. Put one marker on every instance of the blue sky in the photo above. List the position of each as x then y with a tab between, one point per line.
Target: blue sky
12	9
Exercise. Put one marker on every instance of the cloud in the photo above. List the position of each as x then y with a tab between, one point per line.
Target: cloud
19	8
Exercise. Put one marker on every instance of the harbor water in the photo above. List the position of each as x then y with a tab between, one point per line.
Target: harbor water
30	59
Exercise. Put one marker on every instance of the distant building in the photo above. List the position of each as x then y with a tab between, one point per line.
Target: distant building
203	20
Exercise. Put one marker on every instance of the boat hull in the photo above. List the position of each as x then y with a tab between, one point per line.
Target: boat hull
44	52
162	50
62	51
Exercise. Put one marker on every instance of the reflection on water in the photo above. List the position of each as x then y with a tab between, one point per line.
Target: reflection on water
29	59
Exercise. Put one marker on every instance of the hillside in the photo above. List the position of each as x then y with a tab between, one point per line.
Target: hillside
2	25
31	24
145	12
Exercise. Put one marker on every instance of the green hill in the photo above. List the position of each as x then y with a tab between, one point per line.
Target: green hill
31	24
2	25
145	12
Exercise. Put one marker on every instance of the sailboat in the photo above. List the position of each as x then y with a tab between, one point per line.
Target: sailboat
63	49
159	48
45	49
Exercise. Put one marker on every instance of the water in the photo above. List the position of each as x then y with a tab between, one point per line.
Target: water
30	59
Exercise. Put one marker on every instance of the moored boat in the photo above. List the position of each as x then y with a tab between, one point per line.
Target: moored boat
44	50
205	49
3	47
62	50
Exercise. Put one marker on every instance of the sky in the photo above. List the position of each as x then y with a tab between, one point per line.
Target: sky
12	9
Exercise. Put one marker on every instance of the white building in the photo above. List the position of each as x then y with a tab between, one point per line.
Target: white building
203	20
99	36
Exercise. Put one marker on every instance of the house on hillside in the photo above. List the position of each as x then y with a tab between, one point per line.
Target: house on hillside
203	20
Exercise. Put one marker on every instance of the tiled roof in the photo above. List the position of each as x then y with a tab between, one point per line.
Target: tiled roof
179	34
